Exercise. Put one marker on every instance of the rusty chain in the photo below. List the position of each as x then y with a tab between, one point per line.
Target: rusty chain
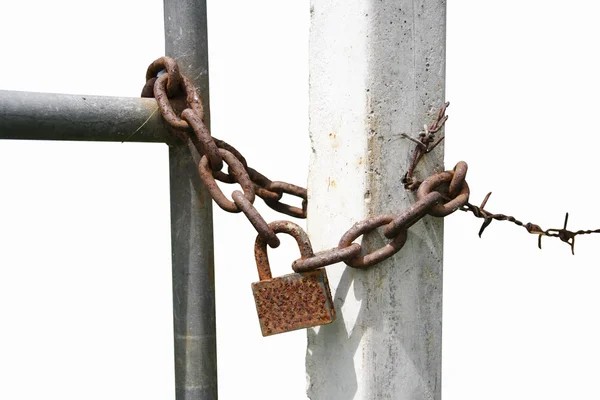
395	226
439	195
167	85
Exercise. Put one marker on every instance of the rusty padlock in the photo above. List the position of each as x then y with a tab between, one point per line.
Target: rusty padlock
293	301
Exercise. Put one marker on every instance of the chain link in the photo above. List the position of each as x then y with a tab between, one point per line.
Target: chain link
453	204
410	216
239	174
207	145
172	70
257	221
367	226
395	226
192	99
327	257
282	187
261	183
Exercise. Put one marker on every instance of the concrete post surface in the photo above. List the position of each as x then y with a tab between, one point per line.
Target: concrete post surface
376	70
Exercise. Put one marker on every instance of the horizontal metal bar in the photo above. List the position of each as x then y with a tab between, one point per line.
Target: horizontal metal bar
50	116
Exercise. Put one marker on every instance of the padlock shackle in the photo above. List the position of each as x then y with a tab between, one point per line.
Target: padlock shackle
260	246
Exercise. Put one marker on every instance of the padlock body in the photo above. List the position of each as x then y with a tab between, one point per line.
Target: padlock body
294	301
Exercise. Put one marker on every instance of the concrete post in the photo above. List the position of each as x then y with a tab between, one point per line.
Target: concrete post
376	70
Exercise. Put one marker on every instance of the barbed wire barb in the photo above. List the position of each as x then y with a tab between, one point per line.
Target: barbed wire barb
426	142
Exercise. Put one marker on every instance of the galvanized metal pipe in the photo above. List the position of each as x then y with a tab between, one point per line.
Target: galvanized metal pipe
191	220
50	116
46	116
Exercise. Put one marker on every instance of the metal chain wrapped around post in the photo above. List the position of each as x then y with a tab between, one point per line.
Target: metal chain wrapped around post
439	195
395	226
165	83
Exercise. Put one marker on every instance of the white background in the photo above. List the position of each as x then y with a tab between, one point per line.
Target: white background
85	291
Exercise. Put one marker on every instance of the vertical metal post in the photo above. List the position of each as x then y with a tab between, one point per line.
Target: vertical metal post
191	220
376	70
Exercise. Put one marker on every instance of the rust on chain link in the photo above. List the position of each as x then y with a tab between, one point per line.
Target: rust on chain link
257	221
411	215
240	175
162	99
172	71
192	98
207	144
367	226
224	145
261	183
221	144
458	179
327	257
166	109
396	229
431	183
284	187
170	85
148	89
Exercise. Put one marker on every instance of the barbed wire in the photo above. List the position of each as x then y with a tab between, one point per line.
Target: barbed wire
424	146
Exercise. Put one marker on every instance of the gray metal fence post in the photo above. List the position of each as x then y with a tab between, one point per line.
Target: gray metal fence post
191	220
42	116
